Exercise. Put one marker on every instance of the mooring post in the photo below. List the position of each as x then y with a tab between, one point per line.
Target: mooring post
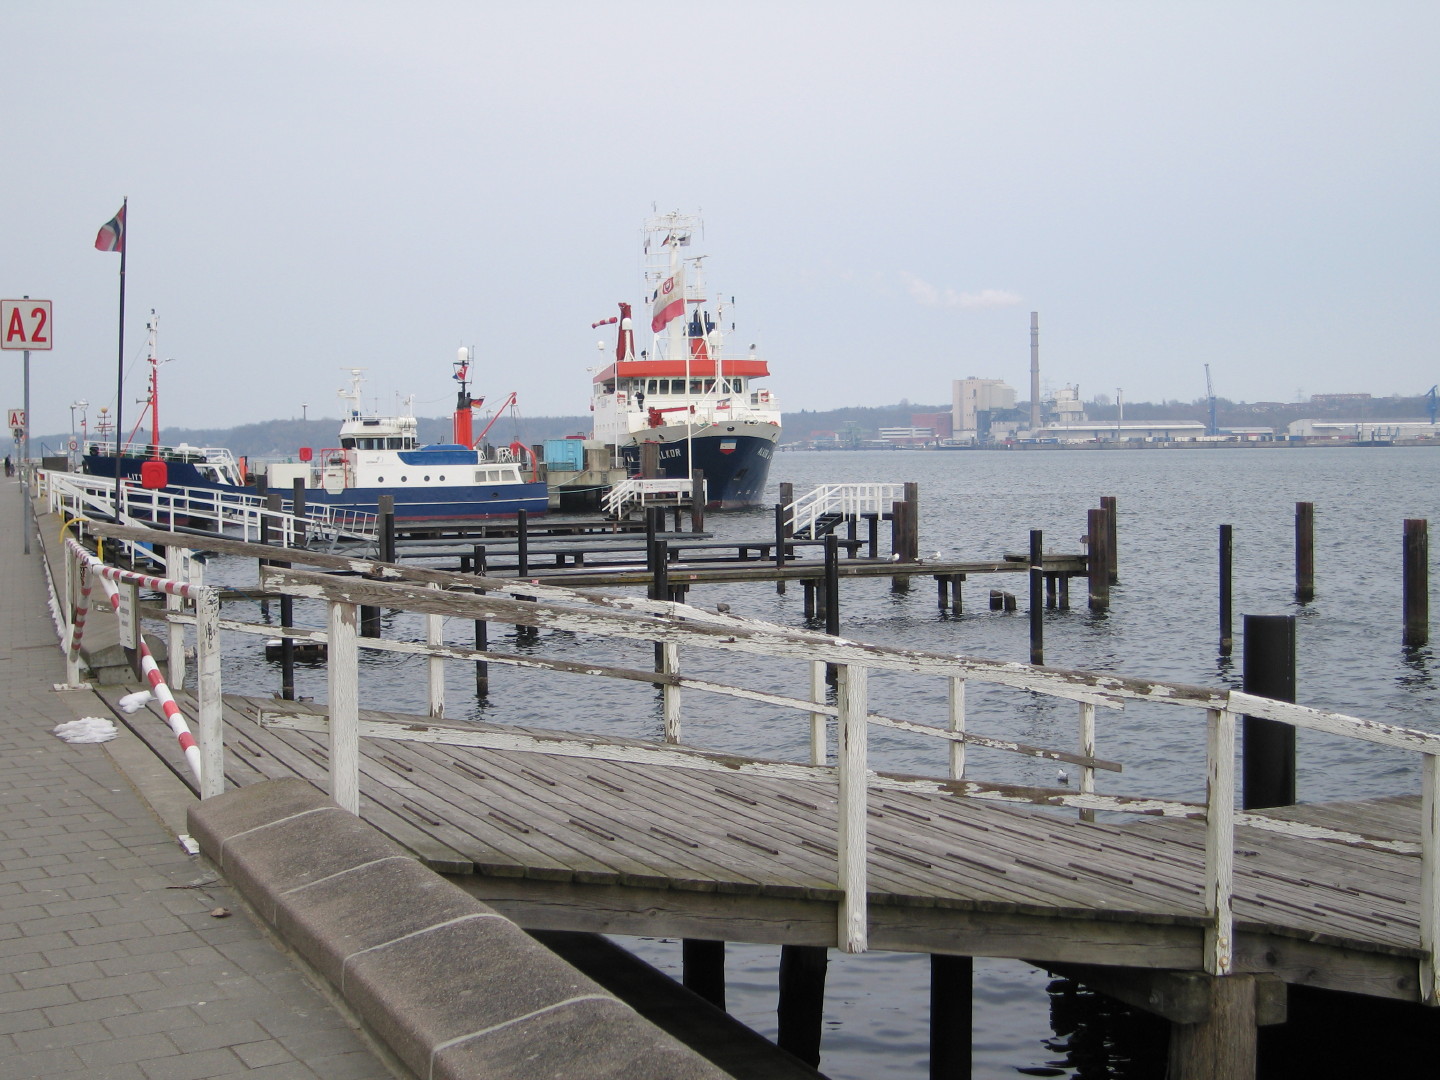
386	526
1416	583
809	588
297	507
1227	637
703	969
832	584
1112	536
482	629
1037	600
1224	1044
650	460
522	543
1097	561
272	502
952	981
780	535
659	557
1304	552
697	501
1267	758
801	1008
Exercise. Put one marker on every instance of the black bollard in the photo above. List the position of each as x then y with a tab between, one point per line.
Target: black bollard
1112	537
1416	584
780	535
1268	753
522	543
386	526
832	584
1037	602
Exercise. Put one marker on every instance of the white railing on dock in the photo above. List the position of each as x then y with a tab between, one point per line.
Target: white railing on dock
234	513
440	595
841	500
642	492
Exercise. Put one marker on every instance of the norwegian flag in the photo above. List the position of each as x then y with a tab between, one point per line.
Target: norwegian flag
111	236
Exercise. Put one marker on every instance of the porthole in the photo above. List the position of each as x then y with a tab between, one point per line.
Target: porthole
427	479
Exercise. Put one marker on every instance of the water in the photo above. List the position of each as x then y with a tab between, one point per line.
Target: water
1163	624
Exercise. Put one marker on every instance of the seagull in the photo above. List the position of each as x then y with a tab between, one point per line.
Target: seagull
722	608
895	557
1062	776
937	556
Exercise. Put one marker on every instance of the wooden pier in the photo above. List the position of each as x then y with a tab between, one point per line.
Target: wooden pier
1199	911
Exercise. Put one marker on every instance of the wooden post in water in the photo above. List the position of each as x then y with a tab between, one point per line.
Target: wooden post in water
1112	537
650	460
522	543
1224	1044
1268	755
1097	561
387	528
832	584
482	630
271	503
780	535
801	1007
952	982
658	555
703	969
1227	637
1037	600
787	498
697	502
1304	552
1417	582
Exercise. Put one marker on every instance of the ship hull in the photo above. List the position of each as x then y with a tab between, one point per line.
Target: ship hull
736	465
427	503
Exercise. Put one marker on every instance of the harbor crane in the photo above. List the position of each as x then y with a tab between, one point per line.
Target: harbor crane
1212	428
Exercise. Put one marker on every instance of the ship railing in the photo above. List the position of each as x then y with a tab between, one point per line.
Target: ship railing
636	491
839	725
840	500
243	514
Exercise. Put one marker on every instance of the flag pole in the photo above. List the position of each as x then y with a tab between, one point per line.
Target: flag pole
120	376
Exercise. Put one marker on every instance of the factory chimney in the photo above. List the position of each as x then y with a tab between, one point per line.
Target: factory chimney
1034	371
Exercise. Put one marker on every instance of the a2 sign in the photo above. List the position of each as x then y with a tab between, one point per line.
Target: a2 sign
25	324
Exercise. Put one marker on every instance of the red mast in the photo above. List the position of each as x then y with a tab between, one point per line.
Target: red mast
464	403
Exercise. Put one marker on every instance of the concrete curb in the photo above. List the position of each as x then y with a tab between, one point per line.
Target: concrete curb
454	989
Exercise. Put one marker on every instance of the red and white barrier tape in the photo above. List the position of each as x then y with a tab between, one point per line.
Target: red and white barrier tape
173	716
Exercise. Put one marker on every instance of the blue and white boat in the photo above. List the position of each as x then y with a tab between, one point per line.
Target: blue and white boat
376	455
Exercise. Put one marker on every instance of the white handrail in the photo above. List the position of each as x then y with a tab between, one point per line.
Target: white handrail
847	500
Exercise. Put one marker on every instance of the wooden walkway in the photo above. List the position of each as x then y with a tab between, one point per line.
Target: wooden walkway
568	843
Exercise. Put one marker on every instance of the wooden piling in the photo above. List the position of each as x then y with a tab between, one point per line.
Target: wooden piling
703	969
1223	1044
650	460
287	613
1037	602
952	982
801	1007
1268	747
1304	552
1098	560
522	543
697	501
297	500
1416	584
832	584
1227	637
386	526
780	535
482	630
1112	536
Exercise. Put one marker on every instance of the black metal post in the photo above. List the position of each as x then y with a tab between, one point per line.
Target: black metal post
1416	583
1037	599
1227	638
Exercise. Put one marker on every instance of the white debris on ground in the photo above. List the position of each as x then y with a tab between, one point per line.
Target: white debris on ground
90	729
130	702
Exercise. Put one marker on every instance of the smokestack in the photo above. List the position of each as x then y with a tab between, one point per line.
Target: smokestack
1034	371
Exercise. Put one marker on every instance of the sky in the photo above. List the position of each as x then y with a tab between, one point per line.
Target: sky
888	191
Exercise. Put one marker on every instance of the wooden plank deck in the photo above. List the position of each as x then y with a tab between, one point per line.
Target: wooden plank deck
569	843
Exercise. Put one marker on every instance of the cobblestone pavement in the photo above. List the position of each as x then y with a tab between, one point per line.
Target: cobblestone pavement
112	965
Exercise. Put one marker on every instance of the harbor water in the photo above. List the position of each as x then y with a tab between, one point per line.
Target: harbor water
1162	624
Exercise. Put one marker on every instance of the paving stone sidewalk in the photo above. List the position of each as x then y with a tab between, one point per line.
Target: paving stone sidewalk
111	963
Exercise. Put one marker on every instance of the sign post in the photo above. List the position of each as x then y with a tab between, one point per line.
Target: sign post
25	324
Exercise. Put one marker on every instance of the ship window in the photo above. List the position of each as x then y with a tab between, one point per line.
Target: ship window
427	479
379	479
442	478
709	386
694	386
650	387
403	479
348	444
395	444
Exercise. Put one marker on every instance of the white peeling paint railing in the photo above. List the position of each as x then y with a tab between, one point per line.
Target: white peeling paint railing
848	500
441	594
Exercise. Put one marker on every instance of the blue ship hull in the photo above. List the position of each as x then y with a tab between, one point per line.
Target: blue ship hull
438	503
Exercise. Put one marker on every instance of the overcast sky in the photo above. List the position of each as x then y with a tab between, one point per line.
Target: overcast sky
888	189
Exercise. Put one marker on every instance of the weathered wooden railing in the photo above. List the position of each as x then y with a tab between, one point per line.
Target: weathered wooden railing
438	595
